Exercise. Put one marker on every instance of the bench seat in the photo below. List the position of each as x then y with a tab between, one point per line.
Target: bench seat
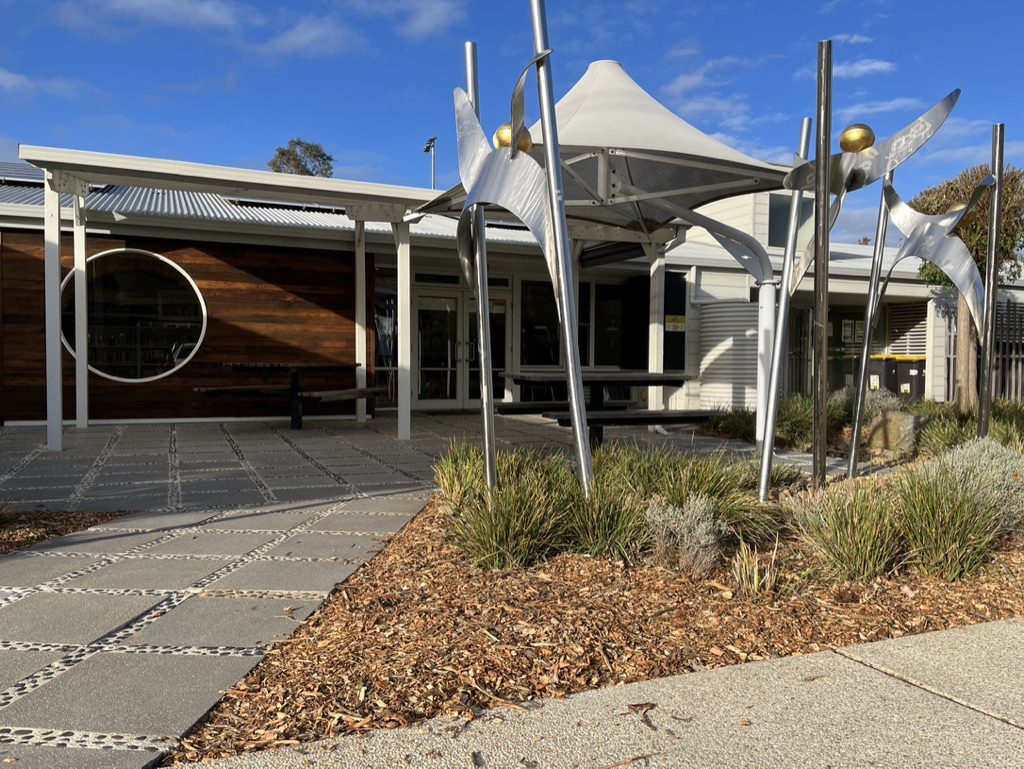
244	390
349	394
541	407
613	417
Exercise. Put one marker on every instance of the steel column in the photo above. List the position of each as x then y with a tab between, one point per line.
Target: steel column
656	323
564	266
483	300
881	229
995	220
821	254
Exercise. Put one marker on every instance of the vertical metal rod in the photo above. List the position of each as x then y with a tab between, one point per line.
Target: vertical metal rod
766	298
782	321
821	254
403	257
564	267
995	220
433	167
483	300
881	230
81	317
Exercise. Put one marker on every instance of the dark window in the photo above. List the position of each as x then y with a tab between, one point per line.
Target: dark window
608	324
538	325
583	310
674	348
145	316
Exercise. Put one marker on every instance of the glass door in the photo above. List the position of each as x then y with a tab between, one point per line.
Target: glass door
499	347
438	354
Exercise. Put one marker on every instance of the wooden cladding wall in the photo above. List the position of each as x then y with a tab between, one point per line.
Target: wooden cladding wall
264	304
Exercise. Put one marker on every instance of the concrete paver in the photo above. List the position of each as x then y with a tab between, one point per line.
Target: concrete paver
316	576
68	618
151	573
80	699
980	665
35	757
24	570
16	664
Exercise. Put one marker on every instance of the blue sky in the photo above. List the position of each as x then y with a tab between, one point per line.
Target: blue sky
226	81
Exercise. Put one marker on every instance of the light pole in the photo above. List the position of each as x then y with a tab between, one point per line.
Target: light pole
429	147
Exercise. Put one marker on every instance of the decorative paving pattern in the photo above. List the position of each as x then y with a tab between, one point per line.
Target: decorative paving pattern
158	575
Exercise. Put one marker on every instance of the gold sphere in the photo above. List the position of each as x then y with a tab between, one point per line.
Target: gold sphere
503	138
856	138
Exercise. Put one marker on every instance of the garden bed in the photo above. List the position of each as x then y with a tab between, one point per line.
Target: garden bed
21	529
419	631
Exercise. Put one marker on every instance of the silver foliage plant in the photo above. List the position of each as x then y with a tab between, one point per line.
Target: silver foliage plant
687	537
999	474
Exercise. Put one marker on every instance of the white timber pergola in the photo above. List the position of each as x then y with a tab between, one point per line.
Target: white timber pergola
74	172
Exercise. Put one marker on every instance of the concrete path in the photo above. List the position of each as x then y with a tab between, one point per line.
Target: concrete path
948	699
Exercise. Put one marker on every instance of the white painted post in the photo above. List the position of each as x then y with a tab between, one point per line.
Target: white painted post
360	299
51	293
656	325
765	344
81	319
404	258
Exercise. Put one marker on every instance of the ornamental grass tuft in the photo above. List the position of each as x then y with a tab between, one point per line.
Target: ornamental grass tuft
947	524
851	529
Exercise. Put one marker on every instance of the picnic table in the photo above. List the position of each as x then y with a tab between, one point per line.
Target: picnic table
598	415
293	390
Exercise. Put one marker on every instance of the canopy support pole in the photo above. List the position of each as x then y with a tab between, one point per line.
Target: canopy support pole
765	342
821	253
656	323
360	301
400	231
51	285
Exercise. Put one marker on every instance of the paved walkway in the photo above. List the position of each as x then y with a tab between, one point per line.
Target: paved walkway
948	699
115	641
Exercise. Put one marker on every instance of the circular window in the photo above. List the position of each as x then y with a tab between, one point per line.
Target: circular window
146	317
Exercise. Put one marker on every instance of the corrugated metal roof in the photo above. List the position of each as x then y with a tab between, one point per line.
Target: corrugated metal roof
20	172
145	202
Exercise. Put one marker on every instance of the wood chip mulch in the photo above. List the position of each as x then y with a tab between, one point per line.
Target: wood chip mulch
418	632
21	529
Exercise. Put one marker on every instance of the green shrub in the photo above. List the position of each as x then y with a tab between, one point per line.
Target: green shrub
635	471
795	422
851	529
687	538
607	523
459	474
754	573
947	524
738	424
783	475
878	402
524	519
945	428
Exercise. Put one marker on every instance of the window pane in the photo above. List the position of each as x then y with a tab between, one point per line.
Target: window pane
583	310
608	323
146	318
778	220
538	325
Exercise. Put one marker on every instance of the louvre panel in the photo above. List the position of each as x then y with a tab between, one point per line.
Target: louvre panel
728	355
908	330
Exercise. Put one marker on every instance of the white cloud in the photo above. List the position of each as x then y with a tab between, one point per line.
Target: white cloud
414	19
852	39
212	15
974	154
713	72
14	82
313	37
866	108
851	70
829	6
683	51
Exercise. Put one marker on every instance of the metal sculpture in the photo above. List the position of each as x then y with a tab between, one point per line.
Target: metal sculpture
991	272
860	163
930	238
507	177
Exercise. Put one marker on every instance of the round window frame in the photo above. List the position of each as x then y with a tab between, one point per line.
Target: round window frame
188	279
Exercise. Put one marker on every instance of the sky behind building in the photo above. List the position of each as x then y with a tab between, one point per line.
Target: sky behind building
226	82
